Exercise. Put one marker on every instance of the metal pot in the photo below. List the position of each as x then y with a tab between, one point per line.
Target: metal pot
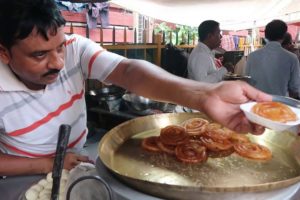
108	98
235	77
162	176
139	103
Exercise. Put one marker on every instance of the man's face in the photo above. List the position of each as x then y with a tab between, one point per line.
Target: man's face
37	61
215	38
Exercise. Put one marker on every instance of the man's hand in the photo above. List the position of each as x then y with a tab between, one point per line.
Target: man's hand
221	101
218	62
229	66
72	160
222	104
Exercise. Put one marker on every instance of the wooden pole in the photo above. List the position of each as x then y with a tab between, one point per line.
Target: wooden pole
87	31
71	28
125	35
125	41
158	39
101	36
135	36
153	37
114	36
144	41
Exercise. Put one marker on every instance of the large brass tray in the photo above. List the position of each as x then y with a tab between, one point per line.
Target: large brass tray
163	176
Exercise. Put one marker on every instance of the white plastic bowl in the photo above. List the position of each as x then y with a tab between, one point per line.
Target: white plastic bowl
277	126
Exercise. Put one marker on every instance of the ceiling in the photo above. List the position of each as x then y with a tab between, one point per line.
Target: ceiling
232	14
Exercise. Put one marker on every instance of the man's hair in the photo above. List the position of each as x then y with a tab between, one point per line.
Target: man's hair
275	30
19	17
207	27
287	39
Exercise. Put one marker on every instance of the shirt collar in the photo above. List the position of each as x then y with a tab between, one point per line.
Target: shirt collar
273	44
205	48
8	80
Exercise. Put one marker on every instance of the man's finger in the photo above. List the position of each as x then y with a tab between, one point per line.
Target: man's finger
83	158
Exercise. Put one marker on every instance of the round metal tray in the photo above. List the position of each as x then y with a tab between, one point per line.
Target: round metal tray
163	176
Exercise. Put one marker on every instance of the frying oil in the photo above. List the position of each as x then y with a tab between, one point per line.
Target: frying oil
230	171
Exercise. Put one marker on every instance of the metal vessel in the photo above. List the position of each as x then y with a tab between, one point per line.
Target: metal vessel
163	176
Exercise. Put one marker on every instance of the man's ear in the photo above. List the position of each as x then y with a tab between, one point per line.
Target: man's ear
4	54
210	35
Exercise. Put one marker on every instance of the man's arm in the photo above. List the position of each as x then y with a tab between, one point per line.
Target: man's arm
294	82
216	76
203	69
294	95
219	101
16	165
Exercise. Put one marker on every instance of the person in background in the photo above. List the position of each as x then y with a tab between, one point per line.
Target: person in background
273	69
42	82
202	63
290	45
287	42
240	67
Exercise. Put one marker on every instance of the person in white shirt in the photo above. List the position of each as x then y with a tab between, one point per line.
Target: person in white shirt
42	85
240	67
201	63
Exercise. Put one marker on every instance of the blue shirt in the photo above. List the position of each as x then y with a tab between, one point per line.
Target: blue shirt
274	70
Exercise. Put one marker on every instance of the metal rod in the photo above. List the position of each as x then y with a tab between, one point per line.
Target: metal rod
62	143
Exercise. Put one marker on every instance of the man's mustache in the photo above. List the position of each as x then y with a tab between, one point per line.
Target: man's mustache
52	71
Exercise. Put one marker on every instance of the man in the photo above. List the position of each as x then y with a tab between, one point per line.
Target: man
201	63
42	75
273	69
288	44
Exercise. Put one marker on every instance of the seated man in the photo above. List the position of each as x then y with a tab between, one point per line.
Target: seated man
202	62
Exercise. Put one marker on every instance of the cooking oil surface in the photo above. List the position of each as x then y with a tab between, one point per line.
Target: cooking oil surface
232	171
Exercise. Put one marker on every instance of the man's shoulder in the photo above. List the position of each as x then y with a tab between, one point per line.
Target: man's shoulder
257	53
198	58
199	52
73	35
289	54
75	38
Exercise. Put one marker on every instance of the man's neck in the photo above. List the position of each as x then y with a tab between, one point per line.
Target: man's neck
208	45
30	85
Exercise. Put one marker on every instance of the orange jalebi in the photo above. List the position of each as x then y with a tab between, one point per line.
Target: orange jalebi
215	144
195	126
169	149
150	144
173	135
203	140
238	138
253	151
191	152
275	111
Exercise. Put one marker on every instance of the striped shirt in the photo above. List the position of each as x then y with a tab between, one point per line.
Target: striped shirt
30	120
